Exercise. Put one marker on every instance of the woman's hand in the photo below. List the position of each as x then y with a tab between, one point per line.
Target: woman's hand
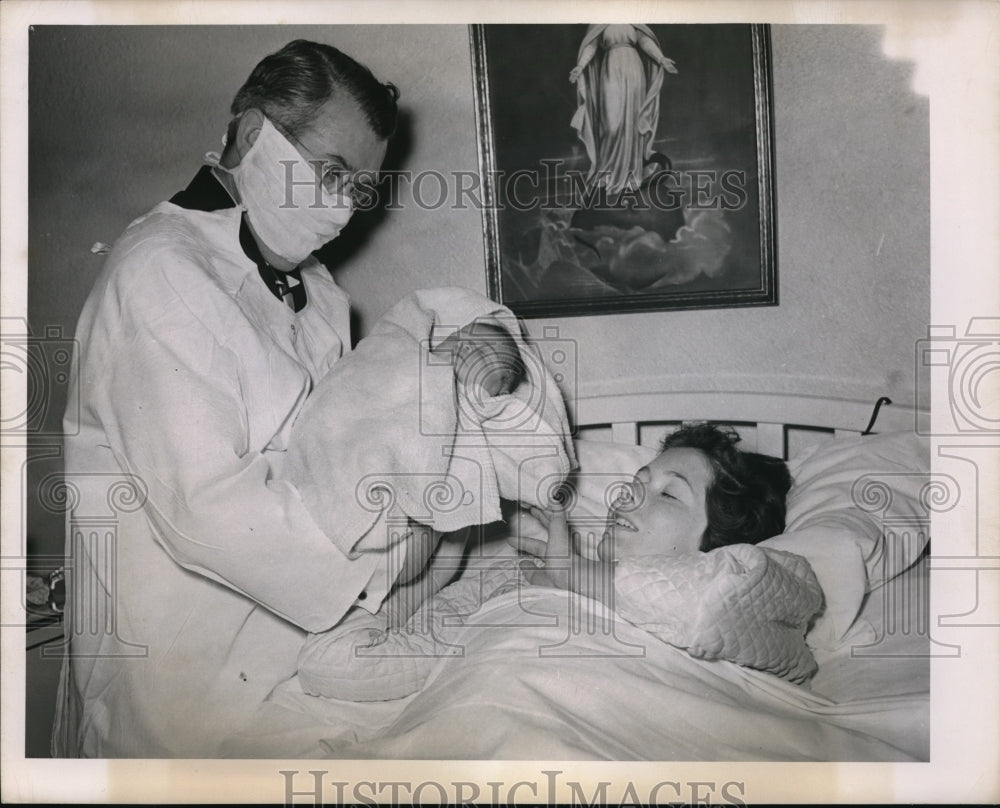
529	535
561	553
574	74
554	519
545	551
565	566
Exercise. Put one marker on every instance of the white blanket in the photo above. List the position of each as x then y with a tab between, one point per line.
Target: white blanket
382	430
540	676
740	603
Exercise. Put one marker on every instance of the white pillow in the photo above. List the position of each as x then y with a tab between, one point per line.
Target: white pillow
848	496
873	486
839	565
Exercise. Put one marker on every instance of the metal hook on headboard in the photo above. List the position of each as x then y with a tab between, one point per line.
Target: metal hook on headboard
878	406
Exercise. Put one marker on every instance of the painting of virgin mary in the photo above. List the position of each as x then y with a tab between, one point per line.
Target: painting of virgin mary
641	183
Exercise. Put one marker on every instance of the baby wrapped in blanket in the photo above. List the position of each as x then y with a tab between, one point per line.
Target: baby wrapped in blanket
441	411
677	556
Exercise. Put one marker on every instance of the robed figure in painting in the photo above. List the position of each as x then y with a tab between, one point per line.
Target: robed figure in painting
618	75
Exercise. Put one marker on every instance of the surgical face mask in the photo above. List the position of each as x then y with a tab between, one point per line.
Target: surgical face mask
288	206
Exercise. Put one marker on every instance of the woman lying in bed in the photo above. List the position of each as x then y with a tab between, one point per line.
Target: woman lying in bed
701	492
687	521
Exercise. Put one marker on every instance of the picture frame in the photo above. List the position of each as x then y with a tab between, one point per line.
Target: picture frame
640	189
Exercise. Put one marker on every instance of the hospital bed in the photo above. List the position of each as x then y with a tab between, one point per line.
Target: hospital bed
526	684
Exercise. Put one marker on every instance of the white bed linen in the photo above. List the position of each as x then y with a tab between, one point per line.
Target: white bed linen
504	700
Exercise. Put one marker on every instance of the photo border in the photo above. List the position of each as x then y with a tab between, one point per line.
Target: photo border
954	44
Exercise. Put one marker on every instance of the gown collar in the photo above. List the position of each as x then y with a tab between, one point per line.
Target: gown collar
205	193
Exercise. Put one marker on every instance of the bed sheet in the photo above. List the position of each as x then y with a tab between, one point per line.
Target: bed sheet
888	650
542	675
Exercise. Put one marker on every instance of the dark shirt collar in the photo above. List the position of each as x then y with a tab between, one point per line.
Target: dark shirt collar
205	193
280	283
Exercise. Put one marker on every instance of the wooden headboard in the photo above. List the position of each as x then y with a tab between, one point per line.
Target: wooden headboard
775	424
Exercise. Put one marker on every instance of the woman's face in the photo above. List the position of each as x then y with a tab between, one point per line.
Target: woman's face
662	511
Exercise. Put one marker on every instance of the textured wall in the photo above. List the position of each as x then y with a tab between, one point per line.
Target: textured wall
120	117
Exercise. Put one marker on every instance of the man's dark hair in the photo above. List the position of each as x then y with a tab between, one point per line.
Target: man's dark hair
291	85
745	502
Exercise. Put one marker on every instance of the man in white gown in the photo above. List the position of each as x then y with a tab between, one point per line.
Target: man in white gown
206	330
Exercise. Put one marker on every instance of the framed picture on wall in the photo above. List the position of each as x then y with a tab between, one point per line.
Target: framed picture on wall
625	167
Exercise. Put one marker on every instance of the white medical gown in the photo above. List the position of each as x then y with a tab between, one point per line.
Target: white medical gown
194	570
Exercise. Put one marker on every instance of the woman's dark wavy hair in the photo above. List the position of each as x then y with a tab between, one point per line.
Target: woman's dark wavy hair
745	502
291	85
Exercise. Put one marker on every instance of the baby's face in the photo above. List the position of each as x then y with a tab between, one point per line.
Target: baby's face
491	359
662	511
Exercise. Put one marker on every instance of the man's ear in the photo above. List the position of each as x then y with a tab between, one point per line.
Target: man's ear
247	130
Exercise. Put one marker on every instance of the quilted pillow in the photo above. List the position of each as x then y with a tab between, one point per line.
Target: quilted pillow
743	603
